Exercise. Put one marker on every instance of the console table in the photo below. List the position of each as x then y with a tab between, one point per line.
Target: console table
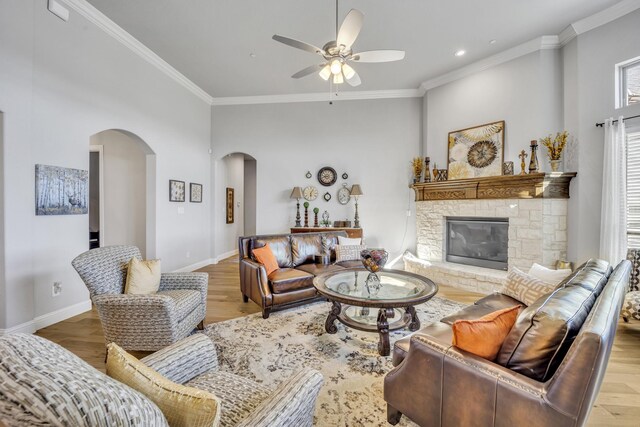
351	232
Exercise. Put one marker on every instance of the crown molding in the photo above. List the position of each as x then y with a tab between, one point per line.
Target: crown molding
318	97
603	17
92	14
567	35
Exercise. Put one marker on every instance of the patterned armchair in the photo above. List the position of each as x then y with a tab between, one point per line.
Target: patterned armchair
631	306
141	322
41	383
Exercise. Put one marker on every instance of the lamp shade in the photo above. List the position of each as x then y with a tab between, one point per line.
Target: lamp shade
356	190
296	193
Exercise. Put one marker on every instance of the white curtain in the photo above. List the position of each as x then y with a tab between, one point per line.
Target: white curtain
613	229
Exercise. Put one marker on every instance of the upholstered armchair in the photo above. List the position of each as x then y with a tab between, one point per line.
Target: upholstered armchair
141	322
631	305
41	383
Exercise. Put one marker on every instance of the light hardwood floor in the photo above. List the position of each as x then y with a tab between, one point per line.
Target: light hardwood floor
618	403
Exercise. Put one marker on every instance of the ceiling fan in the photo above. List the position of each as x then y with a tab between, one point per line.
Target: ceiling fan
337	53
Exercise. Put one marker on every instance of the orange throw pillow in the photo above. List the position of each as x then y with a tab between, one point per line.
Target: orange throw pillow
484	336
265	256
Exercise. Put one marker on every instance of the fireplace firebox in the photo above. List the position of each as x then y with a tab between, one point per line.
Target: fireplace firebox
482	242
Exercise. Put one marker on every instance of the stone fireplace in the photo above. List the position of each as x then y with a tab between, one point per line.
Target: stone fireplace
534	207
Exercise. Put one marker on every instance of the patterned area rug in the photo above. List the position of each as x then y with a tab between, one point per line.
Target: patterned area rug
270	350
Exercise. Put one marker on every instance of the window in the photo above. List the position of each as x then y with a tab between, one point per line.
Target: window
629	83
633	189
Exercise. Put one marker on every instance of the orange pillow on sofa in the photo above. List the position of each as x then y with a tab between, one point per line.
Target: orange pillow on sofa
484	336
265	256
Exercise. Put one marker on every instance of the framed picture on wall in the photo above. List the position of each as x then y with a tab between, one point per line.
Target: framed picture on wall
476	152
176	191
195	192
230	205
61	191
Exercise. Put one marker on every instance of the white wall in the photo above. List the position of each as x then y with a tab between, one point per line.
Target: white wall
525	93
60	83
250	196
229	174
373	141
124	175
589	73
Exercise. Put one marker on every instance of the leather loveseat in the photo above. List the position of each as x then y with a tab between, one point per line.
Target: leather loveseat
548	372
292	283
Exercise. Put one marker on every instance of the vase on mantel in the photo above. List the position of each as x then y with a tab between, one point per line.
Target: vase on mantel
555	165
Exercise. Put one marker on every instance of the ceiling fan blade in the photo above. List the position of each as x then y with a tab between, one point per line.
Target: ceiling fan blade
350	28
378	56
298	44
309	70
354	80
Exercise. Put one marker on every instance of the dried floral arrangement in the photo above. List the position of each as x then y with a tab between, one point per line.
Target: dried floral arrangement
555	146
416	165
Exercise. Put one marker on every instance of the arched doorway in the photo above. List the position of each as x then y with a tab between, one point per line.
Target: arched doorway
122	195
237	171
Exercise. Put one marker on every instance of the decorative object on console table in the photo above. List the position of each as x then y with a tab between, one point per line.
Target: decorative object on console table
230	202
533	160
555	148
306	214
442	175
61	191
315	217
477	151
507	168
176	191
427	171
523	162
416	167
325	219
356	192
297	194
352	233
195	192
342	224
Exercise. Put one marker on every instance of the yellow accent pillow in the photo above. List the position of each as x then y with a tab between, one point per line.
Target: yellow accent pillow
143	277
182	406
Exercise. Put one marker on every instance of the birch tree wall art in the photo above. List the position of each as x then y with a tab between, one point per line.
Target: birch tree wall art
61	191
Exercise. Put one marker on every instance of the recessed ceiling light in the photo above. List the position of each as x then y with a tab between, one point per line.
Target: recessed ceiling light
460	52
253	55
493	41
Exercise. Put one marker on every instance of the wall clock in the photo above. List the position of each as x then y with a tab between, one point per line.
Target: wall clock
310	193
327	196
345	176
308	174
327	176
344	195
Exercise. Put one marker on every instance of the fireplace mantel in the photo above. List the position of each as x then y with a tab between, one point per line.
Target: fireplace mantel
554	185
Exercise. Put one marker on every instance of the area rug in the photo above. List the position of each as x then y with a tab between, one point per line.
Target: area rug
270	350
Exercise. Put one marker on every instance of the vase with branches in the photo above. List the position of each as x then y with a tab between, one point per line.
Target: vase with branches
416	166
555	146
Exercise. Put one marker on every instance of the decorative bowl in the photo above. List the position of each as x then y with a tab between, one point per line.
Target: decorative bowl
374	259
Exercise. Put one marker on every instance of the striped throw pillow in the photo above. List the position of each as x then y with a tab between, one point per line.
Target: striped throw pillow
525	288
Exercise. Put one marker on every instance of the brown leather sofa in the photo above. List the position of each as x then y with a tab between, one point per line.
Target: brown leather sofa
292	283
548	372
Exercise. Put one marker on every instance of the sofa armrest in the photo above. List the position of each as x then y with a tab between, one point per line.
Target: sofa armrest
192	281
254	282
184	360
291	404
142	305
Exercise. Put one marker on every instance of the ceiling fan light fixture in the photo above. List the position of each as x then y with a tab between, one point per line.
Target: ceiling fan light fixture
338	79
348	71
325	73
336	67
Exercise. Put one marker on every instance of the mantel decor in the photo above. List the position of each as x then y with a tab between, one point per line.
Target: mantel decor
530	186
476	151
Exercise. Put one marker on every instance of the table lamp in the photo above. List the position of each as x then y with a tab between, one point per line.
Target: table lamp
297	194
355	192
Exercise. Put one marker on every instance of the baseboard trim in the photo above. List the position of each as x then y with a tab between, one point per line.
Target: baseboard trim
225	256
196	266
49	319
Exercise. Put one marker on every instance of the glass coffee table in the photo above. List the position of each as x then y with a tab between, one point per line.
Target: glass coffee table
356	294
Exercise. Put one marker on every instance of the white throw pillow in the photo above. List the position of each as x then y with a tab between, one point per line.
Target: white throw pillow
349	252
548	275
525	288
348	241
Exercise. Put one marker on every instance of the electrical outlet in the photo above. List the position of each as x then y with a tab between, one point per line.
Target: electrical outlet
56	289
408	212
188	254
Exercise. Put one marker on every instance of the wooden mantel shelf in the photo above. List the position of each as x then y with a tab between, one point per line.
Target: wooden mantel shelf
554	185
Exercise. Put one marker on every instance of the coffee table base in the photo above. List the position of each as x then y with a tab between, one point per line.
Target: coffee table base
382	327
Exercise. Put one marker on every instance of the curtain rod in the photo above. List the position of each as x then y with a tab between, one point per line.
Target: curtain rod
616	121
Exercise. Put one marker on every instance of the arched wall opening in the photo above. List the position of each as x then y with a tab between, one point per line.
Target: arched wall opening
126	191
237	171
